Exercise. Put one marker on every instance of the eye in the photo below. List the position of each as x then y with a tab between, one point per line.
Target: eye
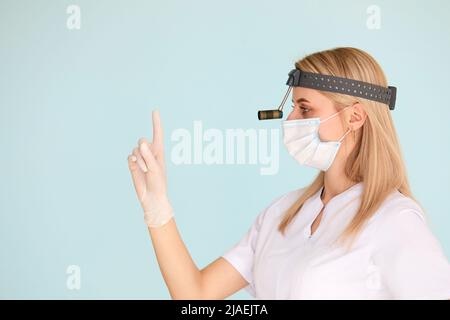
304	109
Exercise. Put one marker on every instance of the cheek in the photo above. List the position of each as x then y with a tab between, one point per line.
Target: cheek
330	131
324	133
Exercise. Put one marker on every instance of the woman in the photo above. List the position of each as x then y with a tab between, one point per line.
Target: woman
355	232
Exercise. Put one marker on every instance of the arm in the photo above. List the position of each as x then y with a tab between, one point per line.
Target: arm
183	279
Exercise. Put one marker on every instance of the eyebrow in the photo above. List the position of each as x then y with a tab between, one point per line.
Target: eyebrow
301	100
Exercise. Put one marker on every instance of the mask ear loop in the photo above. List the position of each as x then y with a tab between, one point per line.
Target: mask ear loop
334	115
343	137
349	129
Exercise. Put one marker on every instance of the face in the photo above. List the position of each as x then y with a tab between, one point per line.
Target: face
310	103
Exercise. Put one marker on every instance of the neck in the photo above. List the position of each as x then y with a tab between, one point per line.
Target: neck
335	181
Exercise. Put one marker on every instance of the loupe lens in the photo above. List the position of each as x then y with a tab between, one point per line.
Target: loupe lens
270	114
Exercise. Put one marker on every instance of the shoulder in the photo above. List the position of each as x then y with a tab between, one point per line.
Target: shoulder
398	206
400	219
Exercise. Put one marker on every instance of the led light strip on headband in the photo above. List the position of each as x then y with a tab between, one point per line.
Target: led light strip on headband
356	88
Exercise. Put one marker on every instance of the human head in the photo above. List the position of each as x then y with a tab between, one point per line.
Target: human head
371	153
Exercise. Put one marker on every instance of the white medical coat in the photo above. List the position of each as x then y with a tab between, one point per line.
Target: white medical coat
396	255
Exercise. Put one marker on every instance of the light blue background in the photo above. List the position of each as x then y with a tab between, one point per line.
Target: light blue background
74	103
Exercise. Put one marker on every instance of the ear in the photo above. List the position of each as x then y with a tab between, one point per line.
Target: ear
357	116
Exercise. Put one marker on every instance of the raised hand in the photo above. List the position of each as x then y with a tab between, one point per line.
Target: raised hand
147	167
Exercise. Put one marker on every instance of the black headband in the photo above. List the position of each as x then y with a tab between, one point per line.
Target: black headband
299	78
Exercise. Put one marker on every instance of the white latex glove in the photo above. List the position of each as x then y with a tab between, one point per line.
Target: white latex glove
147	168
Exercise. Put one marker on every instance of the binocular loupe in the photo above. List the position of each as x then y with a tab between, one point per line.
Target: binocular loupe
356	88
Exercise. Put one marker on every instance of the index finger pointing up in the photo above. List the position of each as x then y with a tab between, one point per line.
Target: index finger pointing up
157	130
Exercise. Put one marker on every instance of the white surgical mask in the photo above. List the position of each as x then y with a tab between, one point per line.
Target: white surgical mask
301	138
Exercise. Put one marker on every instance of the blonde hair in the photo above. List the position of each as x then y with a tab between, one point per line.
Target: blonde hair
376	159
